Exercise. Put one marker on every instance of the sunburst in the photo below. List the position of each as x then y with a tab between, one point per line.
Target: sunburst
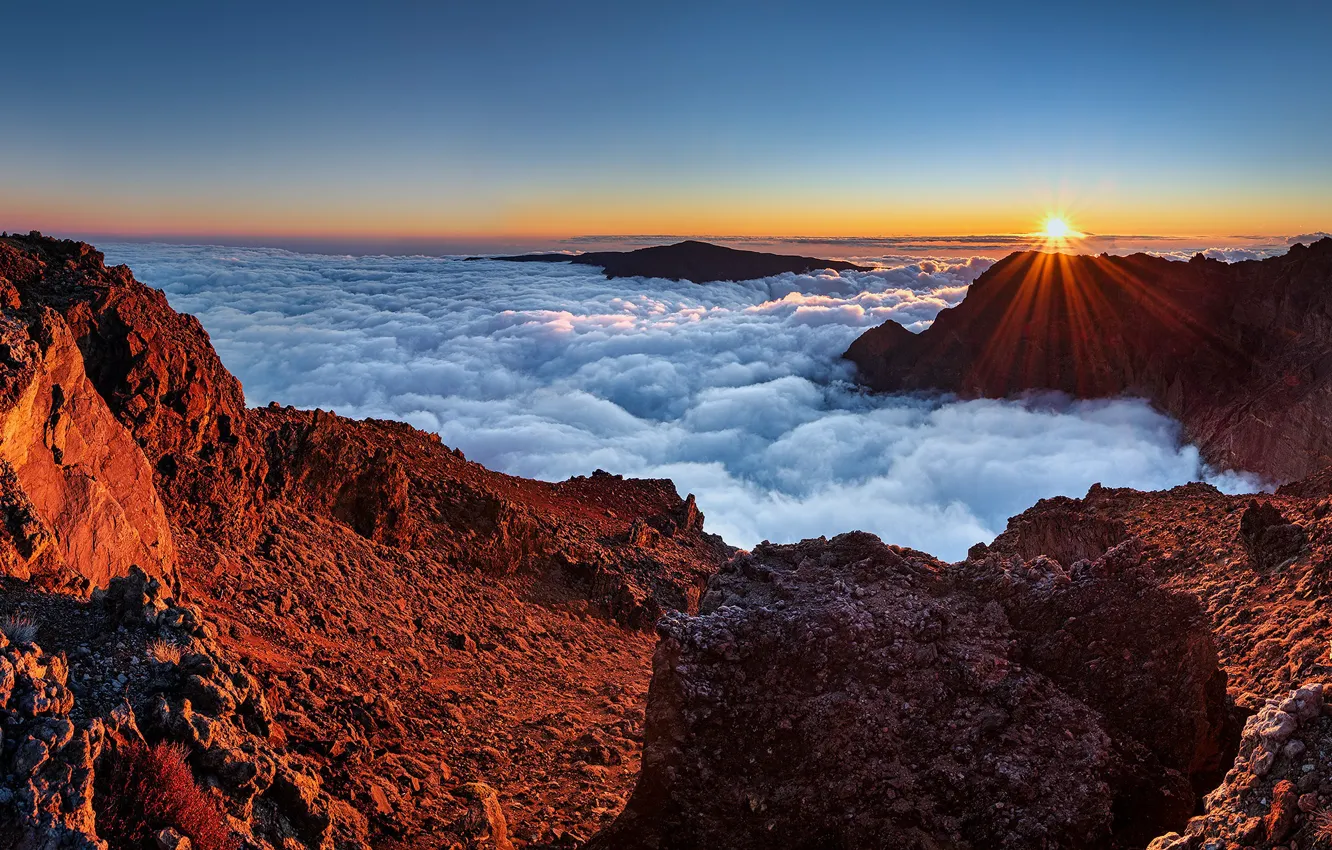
1056	231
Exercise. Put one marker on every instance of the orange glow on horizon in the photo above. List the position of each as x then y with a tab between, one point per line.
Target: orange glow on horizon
552	219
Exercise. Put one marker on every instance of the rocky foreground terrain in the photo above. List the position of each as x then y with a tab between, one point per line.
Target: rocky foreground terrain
225	627
363	606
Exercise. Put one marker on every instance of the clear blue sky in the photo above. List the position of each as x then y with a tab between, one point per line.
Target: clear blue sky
565	118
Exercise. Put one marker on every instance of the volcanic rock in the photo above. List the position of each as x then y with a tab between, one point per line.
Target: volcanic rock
157	371
1269	624
699	262
328	565
79	502
1240	353
844	693
1279	791
1268	538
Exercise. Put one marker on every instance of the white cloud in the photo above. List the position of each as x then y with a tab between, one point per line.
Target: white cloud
735	391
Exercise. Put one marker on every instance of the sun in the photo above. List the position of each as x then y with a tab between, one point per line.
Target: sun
1056	228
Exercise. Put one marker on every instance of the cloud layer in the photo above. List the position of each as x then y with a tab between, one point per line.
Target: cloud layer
735	391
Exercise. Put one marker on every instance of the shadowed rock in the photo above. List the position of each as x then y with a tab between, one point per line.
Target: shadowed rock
1268	537
1240	353
843	693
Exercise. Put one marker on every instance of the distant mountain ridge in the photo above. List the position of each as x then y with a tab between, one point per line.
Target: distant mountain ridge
1240	353
698	262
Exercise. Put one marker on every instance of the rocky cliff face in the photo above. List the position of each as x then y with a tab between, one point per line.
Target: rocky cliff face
78	498
158	373
1240	353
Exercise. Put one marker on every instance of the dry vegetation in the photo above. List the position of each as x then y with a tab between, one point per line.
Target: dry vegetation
142	790
19	629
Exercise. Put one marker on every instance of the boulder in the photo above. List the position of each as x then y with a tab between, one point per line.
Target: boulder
1268	537
843	693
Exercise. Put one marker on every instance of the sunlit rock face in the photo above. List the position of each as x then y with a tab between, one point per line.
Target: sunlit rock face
159	376
1239	353
78	498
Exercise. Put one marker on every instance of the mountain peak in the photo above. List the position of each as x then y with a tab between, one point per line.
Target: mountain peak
691	260
1232	350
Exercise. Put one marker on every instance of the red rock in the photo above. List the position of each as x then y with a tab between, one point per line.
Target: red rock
337	560
79	493
158	373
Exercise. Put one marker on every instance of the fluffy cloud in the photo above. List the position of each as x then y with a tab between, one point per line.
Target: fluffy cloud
735	391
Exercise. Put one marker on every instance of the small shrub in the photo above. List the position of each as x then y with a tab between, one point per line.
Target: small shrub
142	790
19	629
1322	824
164	651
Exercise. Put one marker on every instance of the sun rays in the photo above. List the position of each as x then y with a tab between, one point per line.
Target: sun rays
1056	233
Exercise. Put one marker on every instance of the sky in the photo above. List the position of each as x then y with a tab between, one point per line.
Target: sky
503	124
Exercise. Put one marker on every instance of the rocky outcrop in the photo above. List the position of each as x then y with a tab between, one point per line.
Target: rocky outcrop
844	693
158	373
1261	570
1240	353
48	760
699	262
1063	533
78	497
401	487
1268	537
62	753
1278	794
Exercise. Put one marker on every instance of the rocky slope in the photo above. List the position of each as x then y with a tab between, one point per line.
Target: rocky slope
1240	353
699	262
836	690
410	621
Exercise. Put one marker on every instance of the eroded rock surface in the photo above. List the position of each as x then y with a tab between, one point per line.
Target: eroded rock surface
79	500
845	693
1278	794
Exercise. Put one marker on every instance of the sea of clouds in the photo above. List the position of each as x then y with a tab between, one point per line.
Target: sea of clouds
736	391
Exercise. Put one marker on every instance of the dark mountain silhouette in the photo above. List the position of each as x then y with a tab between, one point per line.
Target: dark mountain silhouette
699	262
1240	353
